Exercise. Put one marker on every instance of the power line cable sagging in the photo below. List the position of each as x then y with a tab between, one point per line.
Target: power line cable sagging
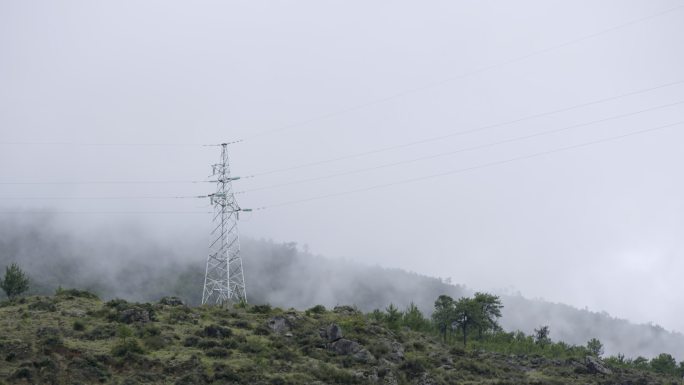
467	169
466	149
471	130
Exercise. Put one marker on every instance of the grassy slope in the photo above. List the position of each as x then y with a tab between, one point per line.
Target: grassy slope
72	338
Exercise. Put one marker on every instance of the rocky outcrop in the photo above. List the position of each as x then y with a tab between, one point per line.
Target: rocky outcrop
595	366
331	333
134	314
279	324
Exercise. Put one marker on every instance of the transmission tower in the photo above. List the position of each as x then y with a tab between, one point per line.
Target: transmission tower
224	281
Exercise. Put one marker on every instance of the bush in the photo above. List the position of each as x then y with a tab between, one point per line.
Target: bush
318	309
79	326
155	342
74	293
207	344
43	305
215	331
413	365
101	332
217	352
191	341
126	347
260	309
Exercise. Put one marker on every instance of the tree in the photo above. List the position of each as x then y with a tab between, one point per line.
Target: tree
413	318
124	332
664	363
466	315
393	316
489	307
15	282
443	315
595	347
541	336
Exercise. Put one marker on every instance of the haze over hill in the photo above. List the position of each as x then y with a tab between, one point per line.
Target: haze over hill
125	263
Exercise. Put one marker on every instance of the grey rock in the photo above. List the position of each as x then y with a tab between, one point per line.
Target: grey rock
594	365
345	347
390	380
396	351
424	379
279	324
134	314
364	356
331	333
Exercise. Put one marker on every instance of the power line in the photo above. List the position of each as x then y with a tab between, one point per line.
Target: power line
108	182
47	212
464	75
462	150
469	131
102	144
106	198
466	169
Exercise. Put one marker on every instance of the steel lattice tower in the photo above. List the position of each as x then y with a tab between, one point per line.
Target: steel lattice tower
224	280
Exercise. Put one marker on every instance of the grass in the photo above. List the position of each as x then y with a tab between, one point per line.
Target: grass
74	337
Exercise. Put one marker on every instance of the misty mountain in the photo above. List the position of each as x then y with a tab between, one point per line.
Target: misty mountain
126	263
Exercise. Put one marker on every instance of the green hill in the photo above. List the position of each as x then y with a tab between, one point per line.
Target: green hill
75	338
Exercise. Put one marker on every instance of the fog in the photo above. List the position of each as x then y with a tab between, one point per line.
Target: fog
126	263
597	226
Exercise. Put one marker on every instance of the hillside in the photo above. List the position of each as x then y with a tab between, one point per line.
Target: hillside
75	338
132	266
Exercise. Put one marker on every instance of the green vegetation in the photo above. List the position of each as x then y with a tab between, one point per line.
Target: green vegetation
15	282
74	337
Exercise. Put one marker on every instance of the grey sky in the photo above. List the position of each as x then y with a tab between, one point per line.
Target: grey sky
597	226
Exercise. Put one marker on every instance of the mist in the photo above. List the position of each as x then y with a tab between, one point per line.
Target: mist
124	262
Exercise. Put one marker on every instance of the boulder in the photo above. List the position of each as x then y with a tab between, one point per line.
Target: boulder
595	366
390	379
364	356
396	351
331	333
134	314
279	324
345	347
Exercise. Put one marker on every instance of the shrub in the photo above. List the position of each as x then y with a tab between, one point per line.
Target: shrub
217	352
318	309
117	303
191	341
260	309
207	344
124	348
75	293
413	365
330	374
101	332
242	324
215	331
79	326
43	305
155	342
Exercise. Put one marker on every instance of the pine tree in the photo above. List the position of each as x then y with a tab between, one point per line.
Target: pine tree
15	282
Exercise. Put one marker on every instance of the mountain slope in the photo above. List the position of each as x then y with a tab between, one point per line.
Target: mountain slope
129	265
75	338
